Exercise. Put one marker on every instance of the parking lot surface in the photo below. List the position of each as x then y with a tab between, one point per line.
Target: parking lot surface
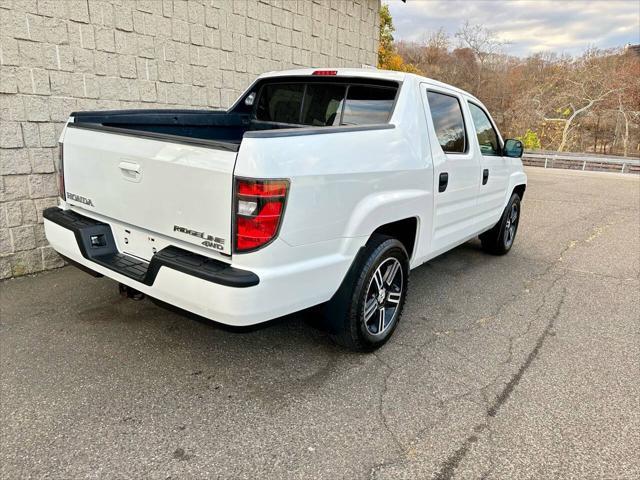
522	366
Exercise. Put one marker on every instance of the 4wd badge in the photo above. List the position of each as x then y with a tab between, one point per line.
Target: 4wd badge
209	241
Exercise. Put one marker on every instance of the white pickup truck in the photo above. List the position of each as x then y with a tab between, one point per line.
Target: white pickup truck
315	187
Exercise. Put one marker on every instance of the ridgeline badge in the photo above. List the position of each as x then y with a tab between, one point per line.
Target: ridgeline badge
209	240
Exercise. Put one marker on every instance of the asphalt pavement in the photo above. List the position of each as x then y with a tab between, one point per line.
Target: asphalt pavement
525	366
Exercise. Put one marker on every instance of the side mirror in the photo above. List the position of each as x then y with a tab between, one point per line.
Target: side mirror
513	148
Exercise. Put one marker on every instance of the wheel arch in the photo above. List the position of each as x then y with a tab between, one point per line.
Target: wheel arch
517	184
404	230
520	189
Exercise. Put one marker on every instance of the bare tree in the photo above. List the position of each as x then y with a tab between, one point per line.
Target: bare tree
625	135
582	85
484	44
436	46
482	41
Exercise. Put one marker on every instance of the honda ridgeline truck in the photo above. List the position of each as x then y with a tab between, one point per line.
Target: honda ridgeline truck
315	187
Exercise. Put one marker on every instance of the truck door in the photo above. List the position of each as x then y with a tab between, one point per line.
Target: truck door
487	147
456	169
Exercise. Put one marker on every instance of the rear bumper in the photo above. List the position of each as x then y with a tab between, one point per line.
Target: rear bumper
192	282
107	254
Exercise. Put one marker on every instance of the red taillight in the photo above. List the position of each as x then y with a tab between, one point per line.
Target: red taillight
259	206
324	73
60	172
257	188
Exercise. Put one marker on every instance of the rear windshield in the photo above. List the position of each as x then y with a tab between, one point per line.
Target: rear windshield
325	104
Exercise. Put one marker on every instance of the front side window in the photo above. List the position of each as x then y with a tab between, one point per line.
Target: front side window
366	105
487	136
447	122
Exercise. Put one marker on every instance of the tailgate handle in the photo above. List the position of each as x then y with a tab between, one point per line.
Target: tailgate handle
130	171
129	167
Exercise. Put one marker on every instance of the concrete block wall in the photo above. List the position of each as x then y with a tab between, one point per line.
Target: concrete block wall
57	56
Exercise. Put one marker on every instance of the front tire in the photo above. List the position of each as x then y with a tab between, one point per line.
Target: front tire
365	311
500	238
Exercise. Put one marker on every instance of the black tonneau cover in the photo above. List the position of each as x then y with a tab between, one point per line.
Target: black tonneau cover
217	125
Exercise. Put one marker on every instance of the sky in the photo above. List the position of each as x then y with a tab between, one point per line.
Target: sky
530	26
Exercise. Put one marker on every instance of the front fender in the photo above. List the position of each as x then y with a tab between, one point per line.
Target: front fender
515	179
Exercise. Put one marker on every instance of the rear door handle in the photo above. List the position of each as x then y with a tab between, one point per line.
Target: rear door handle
485	176
444	181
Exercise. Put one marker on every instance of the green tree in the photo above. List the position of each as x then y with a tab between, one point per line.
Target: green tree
530	140
385	47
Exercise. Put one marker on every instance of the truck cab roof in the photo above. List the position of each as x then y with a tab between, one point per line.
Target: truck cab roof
368	72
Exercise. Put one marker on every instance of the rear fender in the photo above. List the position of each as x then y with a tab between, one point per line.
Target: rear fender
381	208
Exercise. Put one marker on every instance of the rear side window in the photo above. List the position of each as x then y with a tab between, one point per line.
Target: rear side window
325	104
368	105
448	122
487	136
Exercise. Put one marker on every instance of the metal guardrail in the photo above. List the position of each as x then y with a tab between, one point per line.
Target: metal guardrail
582	161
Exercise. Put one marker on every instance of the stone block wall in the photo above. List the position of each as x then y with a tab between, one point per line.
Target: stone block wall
57	56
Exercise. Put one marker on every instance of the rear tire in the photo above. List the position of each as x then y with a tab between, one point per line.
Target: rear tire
365	311
500	238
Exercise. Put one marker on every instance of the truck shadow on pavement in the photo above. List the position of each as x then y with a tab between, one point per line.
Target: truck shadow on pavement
284	357
309	323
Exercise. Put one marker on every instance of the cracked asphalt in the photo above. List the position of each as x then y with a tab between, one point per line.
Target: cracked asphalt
514	367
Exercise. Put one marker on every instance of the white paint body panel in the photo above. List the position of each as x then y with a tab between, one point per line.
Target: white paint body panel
343	186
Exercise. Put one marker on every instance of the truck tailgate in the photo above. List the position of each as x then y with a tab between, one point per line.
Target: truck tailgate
179	188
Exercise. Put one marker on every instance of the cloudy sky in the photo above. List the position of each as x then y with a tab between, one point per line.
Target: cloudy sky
562	26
